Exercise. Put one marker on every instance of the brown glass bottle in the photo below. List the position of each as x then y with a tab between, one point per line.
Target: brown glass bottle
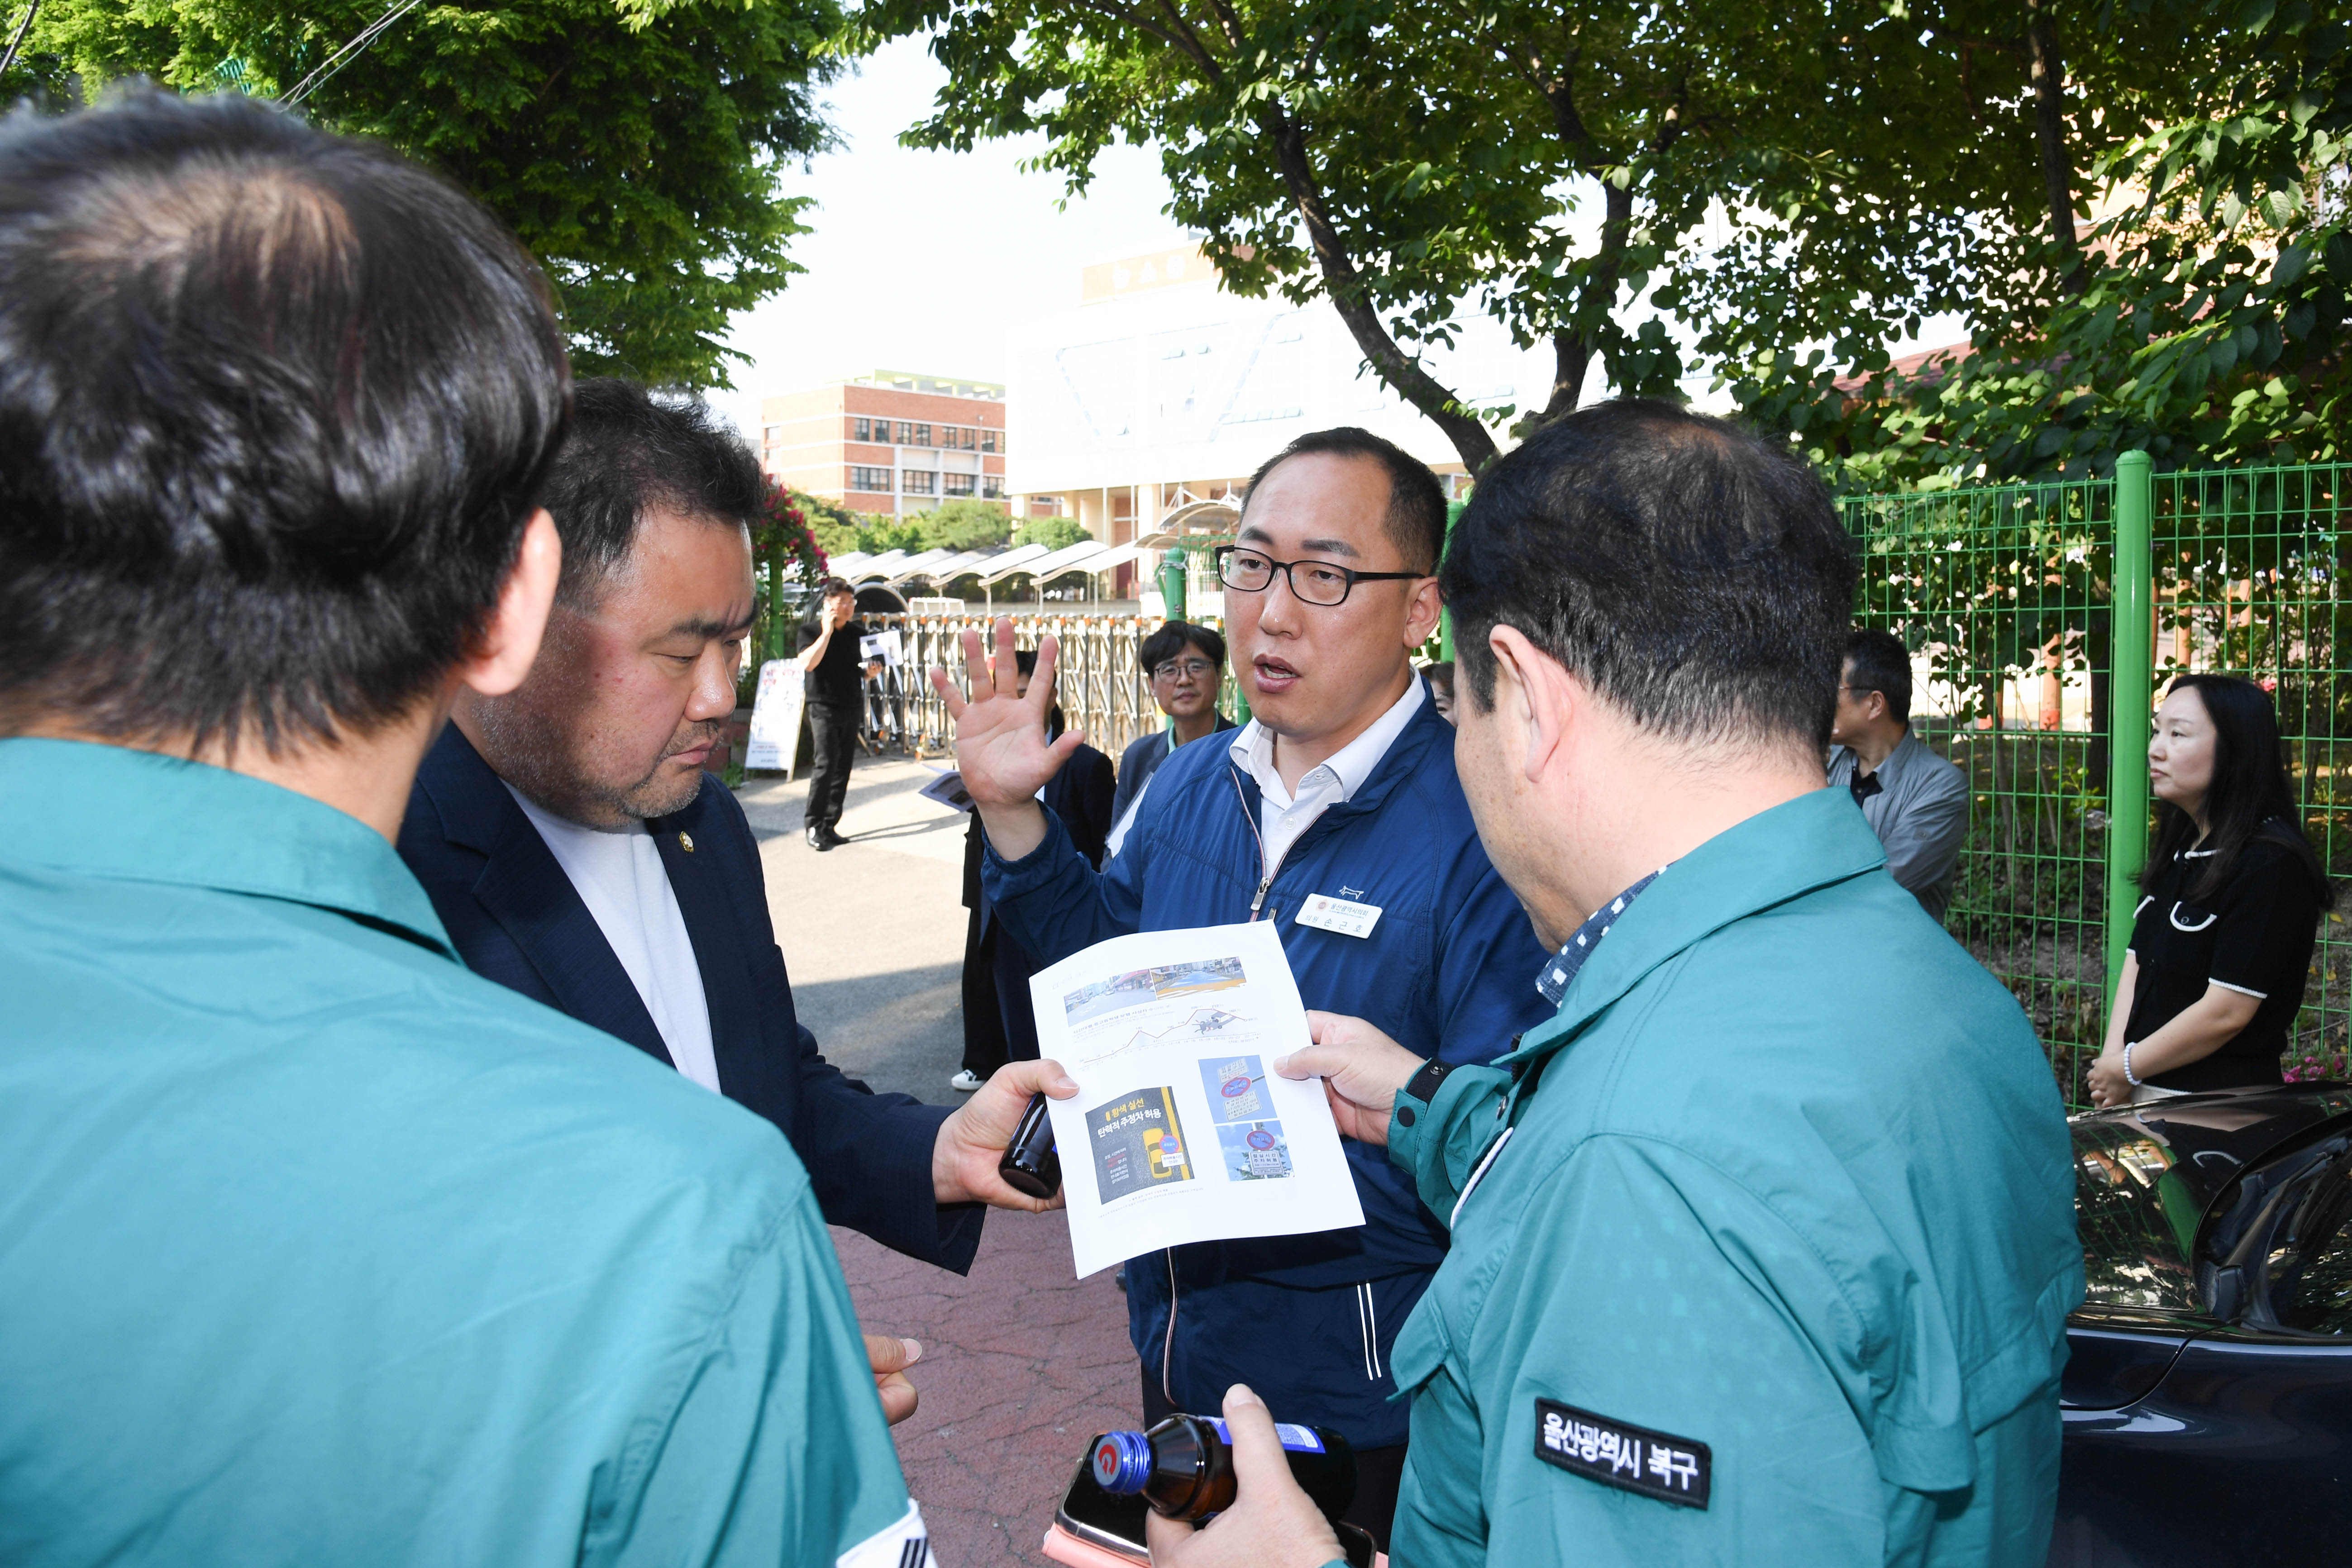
1184	1468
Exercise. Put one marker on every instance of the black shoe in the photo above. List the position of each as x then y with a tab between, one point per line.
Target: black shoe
832	840
820	839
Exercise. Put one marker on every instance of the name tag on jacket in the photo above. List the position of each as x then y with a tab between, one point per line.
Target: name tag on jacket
1344	916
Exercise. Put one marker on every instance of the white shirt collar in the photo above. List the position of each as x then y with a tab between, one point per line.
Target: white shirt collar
1347	769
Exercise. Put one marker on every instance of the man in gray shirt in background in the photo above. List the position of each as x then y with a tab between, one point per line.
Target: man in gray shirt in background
1914	800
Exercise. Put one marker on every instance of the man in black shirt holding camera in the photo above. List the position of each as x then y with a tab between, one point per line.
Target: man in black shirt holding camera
835	683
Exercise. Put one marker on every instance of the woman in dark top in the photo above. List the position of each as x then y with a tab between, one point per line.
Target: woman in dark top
2223	941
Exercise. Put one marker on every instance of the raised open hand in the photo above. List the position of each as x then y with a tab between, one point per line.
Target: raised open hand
1001	746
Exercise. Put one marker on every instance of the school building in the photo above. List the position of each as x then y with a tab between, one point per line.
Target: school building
893	442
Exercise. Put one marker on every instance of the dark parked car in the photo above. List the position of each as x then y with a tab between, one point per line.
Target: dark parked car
2209	1396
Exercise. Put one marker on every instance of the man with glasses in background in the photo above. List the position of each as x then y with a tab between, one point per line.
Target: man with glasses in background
1186	664
1342	784
1914	800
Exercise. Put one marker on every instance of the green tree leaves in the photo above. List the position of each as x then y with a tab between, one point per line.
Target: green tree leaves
632	144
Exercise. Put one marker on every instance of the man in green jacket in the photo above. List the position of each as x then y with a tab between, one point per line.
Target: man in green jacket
1730	1283
314	1246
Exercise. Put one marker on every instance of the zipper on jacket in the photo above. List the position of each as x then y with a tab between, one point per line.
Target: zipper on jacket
1262	887
1168	1343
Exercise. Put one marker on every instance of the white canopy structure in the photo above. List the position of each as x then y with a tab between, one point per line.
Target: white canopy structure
1071	558
940	565
1011	564
879	569
1112	559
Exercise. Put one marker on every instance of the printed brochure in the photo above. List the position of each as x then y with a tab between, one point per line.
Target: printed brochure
1180	1133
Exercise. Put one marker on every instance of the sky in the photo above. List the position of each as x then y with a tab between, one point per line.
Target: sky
918	258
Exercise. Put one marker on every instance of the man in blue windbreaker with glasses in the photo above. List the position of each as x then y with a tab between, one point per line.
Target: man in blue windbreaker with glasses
1342	785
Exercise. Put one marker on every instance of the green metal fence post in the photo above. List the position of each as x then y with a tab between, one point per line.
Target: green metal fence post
2130	703
1445	617
1171	582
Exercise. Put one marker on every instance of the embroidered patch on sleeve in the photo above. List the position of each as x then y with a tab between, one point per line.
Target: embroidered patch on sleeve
1617	1453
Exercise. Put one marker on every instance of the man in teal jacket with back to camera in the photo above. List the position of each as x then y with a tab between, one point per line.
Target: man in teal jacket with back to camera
1731	1283
316	1247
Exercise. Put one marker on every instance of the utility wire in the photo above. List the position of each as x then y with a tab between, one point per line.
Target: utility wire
344	55
18	41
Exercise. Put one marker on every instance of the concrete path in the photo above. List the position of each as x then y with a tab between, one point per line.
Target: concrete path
1022	1363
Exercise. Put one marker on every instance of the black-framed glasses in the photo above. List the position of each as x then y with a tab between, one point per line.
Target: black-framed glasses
1176	669
1314	582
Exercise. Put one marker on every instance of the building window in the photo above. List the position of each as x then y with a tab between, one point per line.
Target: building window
957	484
870	479
922	434
992	485
919	481
970	439
864	430
988	440
906	434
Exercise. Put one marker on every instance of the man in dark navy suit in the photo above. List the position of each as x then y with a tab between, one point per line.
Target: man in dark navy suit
576	850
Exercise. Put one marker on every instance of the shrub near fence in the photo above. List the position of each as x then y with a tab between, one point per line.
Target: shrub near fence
2037	676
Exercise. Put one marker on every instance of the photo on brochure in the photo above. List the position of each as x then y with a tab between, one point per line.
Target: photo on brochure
1255	1152
1138	1144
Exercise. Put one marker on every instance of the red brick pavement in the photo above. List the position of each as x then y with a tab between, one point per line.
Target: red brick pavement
1022	1364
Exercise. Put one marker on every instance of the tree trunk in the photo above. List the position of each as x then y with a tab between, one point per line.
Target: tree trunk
1390	362
2049	75
1572	353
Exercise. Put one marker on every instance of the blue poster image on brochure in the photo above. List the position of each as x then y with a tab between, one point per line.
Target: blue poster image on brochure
1255	1152
1236	1087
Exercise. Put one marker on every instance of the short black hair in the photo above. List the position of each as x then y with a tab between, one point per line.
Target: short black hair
1173	638
1878	661
1688	573
1415	521
631	450
274	407
833	585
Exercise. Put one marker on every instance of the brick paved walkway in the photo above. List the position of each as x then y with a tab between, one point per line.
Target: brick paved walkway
1021	1365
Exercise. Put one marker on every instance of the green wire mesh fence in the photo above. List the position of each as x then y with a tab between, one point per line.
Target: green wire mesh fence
2030	671
2002	596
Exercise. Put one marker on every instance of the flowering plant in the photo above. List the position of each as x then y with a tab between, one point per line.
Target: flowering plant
782	541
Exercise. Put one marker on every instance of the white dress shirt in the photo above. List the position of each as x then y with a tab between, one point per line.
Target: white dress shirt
1282	816
621	878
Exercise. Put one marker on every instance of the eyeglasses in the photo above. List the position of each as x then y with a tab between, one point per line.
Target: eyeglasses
1177	668
1314	582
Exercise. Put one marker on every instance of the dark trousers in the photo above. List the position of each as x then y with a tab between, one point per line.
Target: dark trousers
833	737
1380	1472
998	1023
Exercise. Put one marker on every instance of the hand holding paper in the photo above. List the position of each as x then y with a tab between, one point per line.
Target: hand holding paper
1177	1132
1361	1071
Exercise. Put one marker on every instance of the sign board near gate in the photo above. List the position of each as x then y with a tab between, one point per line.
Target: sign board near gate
775	739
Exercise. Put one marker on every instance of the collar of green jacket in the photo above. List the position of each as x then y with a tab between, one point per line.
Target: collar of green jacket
1802	845
138	816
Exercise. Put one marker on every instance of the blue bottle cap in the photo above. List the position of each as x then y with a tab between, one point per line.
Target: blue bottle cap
1122	1462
